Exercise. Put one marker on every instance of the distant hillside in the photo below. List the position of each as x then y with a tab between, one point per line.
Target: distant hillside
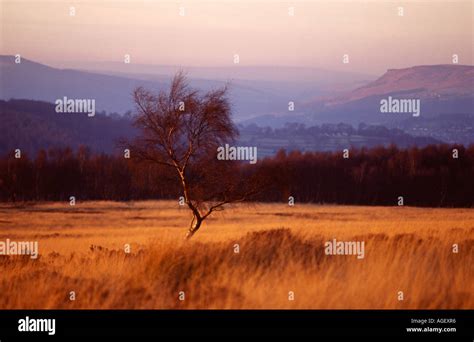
252	90
35	81
441	89
445	92
34	125
426	82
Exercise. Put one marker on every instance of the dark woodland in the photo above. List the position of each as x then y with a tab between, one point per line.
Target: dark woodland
427	176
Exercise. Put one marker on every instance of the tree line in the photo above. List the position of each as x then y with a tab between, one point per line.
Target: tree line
437	176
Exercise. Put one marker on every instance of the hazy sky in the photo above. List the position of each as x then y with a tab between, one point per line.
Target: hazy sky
261	32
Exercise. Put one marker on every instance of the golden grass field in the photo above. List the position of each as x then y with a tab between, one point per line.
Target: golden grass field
281	250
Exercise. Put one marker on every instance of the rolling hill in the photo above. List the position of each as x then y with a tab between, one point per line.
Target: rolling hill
253	91
441	89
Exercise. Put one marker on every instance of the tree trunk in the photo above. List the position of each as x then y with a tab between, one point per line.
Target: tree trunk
195	225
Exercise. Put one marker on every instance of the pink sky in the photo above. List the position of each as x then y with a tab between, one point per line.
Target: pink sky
261	32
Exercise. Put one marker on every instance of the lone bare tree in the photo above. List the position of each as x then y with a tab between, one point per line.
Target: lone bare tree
182	129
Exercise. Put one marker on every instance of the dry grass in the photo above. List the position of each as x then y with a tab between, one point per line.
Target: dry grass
281	250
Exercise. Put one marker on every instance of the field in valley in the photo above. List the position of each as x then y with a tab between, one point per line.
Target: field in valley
281	250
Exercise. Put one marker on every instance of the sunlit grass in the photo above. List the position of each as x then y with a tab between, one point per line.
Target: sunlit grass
281	250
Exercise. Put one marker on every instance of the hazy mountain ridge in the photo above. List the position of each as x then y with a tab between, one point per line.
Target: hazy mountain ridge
36	81
227	73
253	91
446	93
423	82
